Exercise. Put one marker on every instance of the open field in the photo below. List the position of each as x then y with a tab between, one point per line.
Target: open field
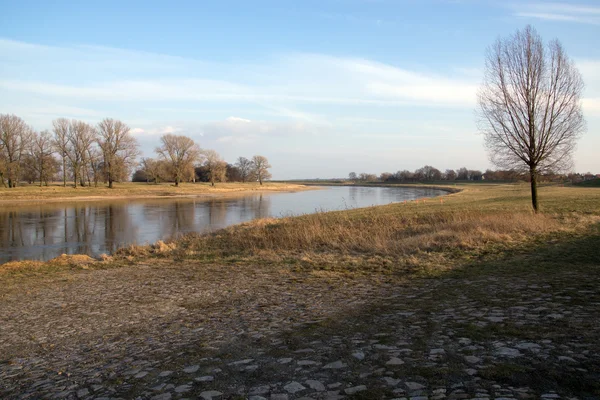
467	296
56	192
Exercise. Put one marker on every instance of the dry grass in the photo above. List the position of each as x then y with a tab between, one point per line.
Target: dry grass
375	233
56	192
428	237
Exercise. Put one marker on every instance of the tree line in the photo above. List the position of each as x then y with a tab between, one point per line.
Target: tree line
432	174
87	154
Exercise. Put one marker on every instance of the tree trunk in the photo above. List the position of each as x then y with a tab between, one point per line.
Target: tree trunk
64	172
260	179
75	176
110	182
176	181
534	194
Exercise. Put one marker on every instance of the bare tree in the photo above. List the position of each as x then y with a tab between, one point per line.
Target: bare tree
530	105
261	168
245	168
61	143
119	148
450	175
41	151
180	152
15	138
81	137
215	166
153	169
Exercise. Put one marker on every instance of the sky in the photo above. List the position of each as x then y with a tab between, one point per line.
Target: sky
321	88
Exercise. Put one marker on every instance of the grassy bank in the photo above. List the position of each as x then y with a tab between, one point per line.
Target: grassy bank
56	192
427	236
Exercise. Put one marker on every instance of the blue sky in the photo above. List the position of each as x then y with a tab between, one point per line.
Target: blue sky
321	88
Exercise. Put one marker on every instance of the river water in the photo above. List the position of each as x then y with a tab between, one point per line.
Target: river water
45	231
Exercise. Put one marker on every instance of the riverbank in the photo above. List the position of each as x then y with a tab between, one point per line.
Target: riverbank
468	295
130	190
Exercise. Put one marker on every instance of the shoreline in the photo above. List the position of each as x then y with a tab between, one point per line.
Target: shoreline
216	192
204	196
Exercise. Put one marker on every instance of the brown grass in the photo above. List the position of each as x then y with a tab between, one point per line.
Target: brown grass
128	190
375	233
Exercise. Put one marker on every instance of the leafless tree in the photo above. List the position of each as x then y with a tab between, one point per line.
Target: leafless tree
41	152
154	169
180	152
260	167
15	138
61	143
215	166
244	167
450	175
529	103
119	149
81	137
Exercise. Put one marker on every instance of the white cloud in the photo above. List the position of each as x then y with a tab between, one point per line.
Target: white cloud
238	119
280	85
155	131
585	14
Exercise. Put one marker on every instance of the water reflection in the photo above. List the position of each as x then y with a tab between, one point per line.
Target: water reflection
45	231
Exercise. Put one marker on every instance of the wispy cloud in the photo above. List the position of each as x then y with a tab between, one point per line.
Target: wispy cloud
584	14
282	85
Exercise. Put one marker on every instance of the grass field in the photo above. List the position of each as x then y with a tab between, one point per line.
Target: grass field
56	192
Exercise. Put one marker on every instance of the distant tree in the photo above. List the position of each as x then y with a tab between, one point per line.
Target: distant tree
202	174
475	175
260	168
450	175
365	177
405	176
61	143
153	169
180	153
81	137
139	175
530	105
15	138
232	173
119	149
41	152
352	176
245	168
428	173
215	166
462	174
490	175
385	176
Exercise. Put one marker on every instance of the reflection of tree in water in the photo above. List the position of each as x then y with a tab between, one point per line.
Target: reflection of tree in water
353	194
11	229
21	232
217	213
118	227
263	207
252	207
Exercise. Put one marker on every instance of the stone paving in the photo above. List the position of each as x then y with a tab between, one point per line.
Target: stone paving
302	337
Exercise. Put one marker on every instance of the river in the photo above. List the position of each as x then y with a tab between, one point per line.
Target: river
45	231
